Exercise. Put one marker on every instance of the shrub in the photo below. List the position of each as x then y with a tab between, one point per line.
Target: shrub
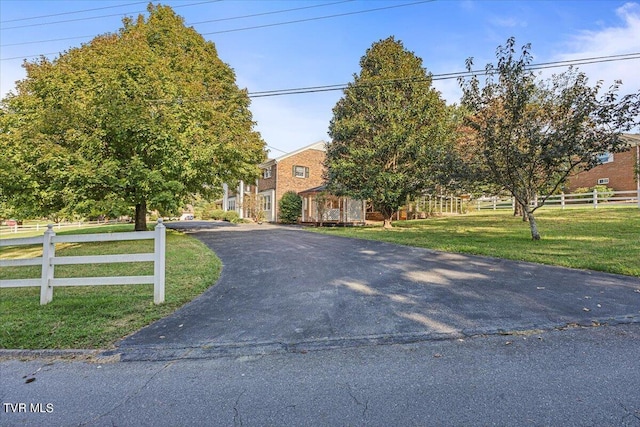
230	216
217	214
604	192
290	207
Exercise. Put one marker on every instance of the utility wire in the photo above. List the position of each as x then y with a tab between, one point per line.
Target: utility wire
41	24
190	23
277	149
269	13
432	77
71	12
444	76
318	18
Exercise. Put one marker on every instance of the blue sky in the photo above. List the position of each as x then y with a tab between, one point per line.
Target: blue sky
327	51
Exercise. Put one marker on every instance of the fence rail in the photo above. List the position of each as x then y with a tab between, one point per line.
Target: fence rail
48	260
17	229
594	199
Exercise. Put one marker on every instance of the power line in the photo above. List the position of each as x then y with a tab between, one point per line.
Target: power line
318	18
191	23
433	77
41	24
444	76
277	149
70	13
269	13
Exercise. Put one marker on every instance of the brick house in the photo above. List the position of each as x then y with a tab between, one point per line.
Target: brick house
296	171
618	171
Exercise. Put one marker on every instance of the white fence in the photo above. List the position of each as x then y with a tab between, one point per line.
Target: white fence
47	281
594	199
17	229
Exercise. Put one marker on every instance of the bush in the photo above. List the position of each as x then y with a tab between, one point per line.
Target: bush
230	216
604	192
290	207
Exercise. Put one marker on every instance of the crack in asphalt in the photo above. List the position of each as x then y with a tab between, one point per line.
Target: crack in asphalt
128	397
365	405
237	418
634	414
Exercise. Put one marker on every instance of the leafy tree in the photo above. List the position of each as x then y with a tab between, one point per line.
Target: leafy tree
254	203
323	200
290	207
530	134
146	117
391	132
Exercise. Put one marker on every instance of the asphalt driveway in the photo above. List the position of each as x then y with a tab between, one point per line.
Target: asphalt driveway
285	289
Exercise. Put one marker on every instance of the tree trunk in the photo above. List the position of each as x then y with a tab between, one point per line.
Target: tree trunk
387	215
141	216
519	210
387	223
535	235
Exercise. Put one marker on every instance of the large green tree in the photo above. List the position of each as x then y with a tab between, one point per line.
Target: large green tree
531	134
145	117
391	132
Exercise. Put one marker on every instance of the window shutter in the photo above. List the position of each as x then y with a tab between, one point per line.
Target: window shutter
294	170
306	172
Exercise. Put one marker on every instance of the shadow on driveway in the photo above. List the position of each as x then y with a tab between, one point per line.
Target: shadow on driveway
285	289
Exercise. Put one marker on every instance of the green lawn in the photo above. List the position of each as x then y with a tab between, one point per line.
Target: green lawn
594	239
97	316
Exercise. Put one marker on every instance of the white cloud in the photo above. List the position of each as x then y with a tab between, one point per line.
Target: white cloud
509	22
614	40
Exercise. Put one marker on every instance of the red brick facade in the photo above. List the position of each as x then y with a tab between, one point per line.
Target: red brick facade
296	171
619	174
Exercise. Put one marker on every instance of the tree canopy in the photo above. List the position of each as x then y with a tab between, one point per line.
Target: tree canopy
528	135
391	131
145	118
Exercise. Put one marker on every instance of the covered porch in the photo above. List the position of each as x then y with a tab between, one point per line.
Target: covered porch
319	207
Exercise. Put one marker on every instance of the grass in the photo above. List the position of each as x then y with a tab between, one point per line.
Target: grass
603	240
97	316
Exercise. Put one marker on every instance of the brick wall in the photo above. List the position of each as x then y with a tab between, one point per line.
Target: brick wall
621	173
283	178
268	183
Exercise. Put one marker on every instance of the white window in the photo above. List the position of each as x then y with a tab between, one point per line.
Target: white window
266	203
603	181
231	205
266	173
301	172
606	157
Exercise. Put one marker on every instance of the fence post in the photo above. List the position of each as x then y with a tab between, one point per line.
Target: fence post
562	199
159	262
595	199
48	252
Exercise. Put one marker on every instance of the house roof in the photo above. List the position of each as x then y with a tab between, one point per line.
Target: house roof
314	190
320	145
632	140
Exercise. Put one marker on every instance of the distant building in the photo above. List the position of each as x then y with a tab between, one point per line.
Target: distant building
618	171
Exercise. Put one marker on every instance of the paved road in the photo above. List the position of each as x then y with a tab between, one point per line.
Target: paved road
576	377
285	289
287	337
